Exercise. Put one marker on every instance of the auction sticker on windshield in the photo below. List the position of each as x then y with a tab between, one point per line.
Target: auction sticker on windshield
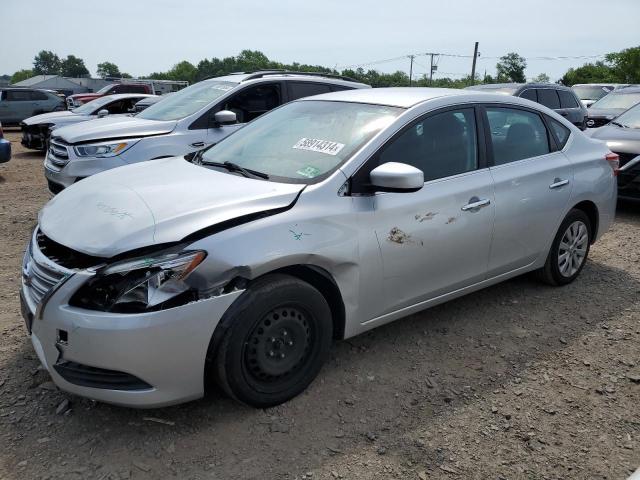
308	171
317	145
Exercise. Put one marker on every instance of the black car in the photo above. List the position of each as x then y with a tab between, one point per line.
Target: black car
612	105
556	97
622	136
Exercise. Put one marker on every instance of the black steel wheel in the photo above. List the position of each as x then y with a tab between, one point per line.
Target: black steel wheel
279	334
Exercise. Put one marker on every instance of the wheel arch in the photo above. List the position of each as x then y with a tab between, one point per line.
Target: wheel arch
591	210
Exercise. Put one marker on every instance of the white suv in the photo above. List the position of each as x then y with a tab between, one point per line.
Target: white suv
180	124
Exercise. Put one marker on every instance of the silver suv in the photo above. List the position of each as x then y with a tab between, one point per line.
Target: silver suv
179	124
324	218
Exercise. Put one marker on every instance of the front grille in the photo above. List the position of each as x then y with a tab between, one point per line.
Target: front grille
70	102
65	256
39	279
596	122
58	153
86	376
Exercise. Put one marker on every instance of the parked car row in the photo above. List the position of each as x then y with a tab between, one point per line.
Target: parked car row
239	254
16	104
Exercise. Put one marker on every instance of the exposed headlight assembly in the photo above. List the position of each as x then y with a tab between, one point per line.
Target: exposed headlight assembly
103	150
141	284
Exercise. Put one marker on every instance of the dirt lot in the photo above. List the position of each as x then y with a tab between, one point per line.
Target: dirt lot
517	381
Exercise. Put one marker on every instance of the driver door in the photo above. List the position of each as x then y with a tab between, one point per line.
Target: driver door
435	240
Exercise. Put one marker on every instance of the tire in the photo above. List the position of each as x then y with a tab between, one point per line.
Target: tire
572	232
278	337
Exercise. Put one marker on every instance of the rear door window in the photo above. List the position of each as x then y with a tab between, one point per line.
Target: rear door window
529	94
306	89
252	102
516	134
38	96
549	98
567	99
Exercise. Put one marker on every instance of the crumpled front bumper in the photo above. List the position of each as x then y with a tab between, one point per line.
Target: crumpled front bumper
165	349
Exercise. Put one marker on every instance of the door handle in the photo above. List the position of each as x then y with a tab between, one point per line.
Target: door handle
557	183
564	114
198	144
475	204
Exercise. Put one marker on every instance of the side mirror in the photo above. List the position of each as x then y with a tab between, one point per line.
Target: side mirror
396	177
103	113
224	117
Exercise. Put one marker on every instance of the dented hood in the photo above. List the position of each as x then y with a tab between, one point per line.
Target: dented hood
152	203
113	127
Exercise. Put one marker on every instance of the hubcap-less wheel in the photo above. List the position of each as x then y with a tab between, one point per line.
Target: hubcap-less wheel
573	248
279	345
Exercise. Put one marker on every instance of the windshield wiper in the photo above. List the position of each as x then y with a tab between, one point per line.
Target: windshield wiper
619	125
234	167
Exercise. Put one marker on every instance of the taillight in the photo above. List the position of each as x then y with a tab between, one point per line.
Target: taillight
614	161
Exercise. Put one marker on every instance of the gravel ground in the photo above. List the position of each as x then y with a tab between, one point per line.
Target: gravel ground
517	381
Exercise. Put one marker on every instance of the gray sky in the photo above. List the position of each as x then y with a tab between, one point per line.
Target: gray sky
142	36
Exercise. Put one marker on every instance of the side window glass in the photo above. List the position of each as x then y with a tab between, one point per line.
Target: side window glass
560	131
254	101
440	145
549	98
18	95
529	94
37	96
567	99
116	107
516	134
306	89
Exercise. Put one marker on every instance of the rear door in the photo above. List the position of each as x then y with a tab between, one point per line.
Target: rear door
41	103
532	181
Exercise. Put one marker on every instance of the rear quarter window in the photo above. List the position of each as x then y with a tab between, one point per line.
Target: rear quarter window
529	94
567	99
560	132
306	89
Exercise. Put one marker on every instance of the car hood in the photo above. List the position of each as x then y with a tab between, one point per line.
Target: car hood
114	127
153	203
604	112
51	117
85	95
618	139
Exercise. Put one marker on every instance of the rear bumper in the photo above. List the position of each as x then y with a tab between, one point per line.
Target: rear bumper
5	150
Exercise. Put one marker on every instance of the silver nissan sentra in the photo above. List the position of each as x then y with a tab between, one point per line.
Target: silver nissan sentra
320	220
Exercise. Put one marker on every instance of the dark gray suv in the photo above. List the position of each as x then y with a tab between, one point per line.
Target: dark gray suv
16	104
556	97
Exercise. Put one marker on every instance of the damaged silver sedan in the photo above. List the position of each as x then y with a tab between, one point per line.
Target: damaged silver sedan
320	220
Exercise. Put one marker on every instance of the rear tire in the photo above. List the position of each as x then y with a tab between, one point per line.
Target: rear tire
569	250
279	336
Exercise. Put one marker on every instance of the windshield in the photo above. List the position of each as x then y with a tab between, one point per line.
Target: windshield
93	106
105	89
302	141
630	118
617	100
187	101
591	92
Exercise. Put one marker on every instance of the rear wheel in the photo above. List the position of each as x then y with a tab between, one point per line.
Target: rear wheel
279	336
569	250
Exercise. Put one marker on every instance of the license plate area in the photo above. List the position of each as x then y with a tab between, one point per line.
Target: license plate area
26	313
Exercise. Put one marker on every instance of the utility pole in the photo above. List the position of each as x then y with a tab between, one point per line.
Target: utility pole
411	57
473	67
431	70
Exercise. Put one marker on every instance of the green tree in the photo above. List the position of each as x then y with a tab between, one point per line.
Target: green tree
511	67
46	63
625	65
21	75
108	69
73	66
541	78
589	73
183	71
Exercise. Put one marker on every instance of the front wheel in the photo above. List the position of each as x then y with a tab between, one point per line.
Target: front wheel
278	338
569	250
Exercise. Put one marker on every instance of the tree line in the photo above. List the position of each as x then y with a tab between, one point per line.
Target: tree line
617	67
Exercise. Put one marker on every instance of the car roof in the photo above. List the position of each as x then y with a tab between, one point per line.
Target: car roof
517	86
625	90
404	97
322	77
120	96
